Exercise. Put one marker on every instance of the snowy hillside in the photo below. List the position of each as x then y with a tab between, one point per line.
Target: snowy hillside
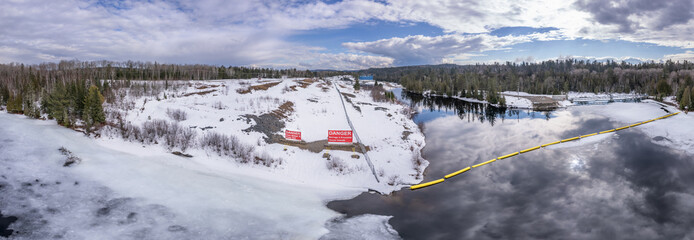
143	193
207	159
254	114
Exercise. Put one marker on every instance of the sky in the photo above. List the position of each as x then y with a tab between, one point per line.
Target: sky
347	34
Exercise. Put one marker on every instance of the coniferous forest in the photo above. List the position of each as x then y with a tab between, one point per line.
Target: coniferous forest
71	91
547	77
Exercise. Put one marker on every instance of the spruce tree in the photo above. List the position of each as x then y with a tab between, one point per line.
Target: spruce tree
58	105
14	104
686	99
93	111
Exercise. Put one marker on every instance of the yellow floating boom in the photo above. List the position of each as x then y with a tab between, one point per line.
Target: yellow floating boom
569	139
589	135
427	184
548	144
608	131
530	149
484	163
622	128
457	172
508	155
413	187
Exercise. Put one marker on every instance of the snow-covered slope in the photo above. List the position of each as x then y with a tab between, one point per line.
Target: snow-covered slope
125	194
676	131
223	107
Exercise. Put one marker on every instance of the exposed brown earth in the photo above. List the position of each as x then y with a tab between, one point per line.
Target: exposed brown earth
263	87
306	82
198	93
206	86
320	145
284	110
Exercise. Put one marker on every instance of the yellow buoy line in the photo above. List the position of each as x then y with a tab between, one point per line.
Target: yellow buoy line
453	174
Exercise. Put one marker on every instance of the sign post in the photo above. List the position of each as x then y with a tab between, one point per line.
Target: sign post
340	136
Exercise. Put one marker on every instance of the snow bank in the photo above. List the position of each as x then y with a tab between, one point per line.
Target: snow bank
518	102
671	100
208	195
394	139
525	94
676	131
116	194
586	96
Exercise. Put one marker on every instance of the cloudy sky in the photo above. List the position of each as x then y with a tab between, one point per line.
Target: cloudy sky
348	34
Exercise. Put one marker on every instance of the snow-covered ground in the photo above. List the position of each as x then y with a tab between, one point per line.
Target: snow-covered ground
524	103
315	110
135	189
126	190
525	94
675	132
571	98
121	194
518	102
671	100
586	96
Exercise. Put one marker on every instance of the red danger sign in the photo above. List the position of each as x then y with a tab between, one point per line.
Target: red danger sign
343	136
292	135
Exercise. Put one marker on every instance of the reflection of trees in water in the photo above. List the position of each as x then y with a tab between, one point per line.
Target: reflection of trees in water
465	110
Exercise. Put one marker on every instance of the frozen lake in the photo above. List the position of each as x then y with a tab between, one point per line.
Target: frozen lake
115	194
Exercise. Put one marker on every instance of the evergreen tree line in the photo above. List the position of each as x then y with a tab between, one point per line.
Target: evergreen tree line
685	97
482	81
73	91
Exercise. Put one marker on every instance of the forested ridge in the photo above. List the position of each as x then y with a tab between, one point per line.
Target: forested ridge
72	91
547	77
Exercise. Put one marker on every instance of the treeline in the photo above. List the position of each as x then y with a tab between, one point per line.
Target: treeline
685	98
547	77
63	90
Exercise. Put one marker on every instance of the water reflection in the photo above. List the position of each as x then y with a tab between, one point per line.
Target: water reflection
622	187
429	108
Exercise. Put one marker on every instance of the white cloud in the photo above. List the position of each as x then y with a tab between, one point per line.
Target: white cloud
216	32
451	48
668	23
243	32
331	61
688	56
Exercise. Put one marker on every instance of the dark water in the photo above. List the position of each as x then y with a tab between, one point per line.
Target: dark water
4	225
430	108
622	187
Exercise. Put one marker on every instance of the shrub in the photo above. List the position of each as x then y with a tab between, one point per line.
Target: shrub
219	105
268	161
185	138
338	165
177	114
225	145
